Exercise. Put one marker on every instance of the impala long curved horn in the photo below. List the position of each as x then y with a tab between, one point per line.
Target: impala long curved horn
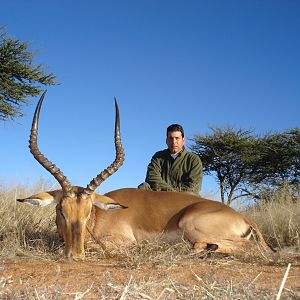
117	162
34	149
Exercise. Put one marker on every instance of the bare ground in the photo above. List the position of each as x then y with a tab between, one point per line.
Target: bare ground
209	277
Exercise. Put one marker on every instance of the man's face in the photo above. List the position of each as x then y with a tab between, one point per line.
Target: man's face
175	141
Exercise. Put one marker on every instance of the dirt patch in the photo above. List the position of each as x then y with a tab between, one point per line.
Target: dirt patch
115	278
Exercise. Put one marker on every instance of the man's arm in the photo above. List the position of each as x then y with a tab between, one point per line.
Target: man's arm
154	177
192	181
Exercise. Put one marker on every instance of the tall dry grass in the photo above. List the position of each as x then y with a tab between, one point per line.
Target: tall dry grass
279	219
26	229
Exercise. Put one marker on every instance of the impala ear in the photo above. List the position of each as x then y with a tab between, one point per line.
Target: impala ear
35	201
43	199
106	203
108	206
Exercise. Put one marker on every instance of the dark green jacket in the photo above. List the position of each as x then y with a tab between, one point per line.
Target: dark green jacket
183	174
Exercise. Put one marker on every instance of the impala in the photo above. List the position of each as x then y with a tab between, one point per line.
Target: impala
130	215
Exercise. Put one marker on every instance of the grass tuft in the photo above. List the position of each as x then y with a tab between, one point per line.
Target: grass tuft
279	219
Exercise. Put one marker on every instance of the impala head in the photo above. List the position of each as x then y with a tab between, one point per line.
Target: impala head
74	204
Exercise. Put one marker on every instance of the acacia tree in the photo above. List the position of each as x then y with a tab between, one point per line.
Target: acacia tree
227	154
278	162
20	78
246	165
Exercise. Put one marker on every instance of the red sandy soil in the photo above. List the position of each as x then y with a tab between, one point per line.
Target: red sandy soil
90	278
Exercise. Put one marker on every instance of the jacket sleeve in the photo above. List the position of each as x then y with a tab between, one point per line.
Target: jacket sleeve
154	177
192	180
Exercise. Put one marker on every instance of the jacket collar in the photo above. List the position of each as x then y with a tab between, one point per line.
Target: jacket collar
179	153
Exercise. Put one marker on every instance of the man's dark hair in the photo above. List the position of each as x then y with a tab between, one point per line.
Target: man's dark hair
175	127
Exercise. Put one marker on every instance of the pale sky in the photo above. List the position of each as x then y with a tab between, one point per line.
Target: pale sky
196	63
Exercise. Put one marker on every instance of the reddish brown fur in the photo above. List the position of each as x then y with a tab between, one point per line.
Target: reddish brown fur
145	215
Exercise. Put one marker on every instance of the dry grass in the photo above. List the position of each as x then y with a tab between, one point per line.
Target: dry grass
24	228
153	289
279	220
29	231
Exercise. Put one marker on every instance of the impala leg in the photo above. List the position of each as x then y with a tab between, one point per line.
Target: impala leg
225	247
208	228
204	246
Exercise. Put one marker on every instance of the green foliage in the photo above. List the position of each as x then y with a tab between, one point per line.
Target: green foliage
20	78
246	165
279	160
227	154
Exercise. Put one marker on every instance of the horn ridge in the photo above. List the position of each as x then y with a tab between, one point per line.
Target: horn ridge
34	149
119	159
